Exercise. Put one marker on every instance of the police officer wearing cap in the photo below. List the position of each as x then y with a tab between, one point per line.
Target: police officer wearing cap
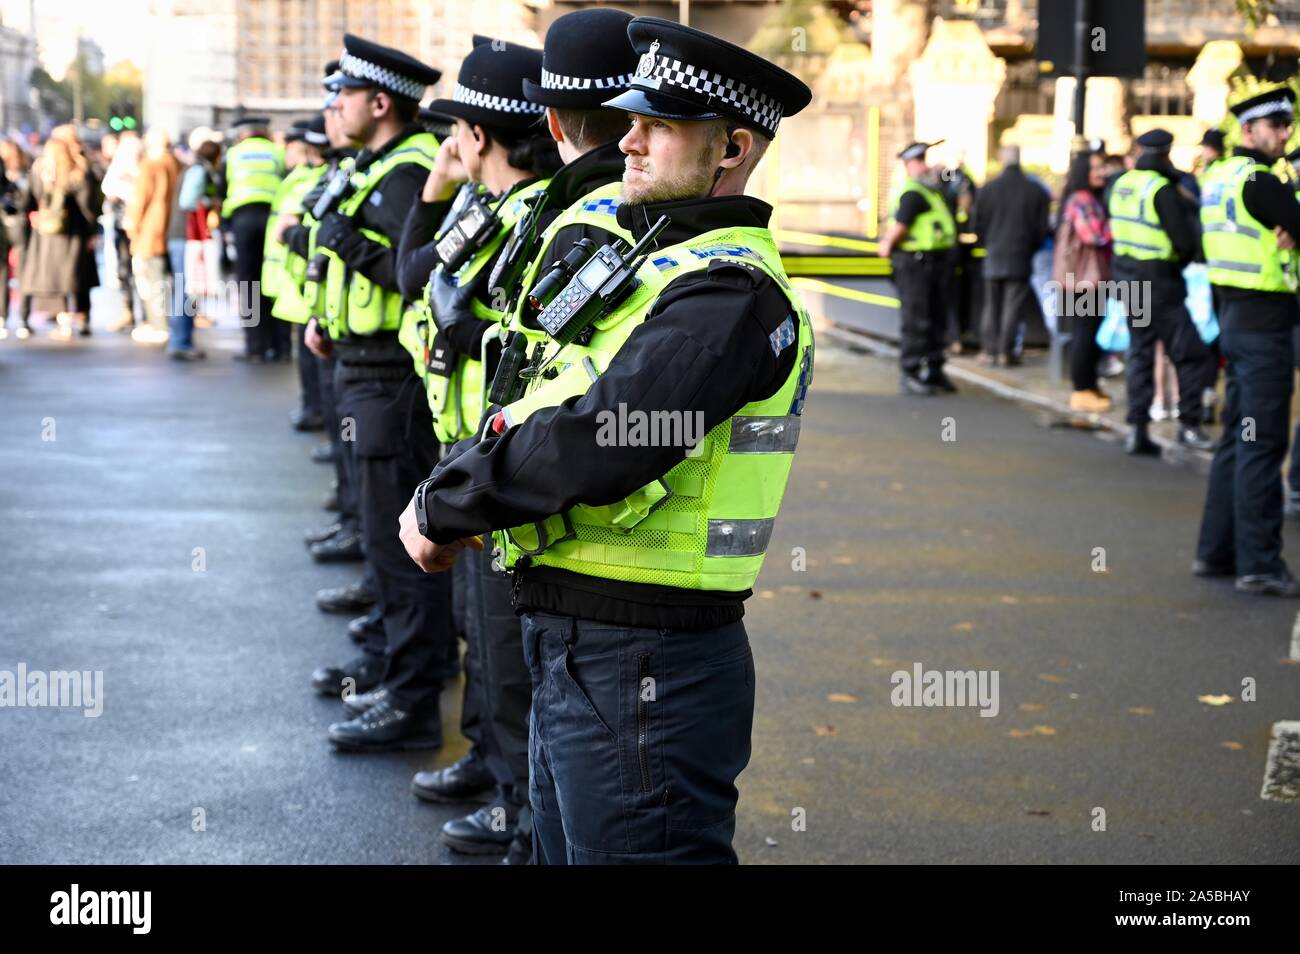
1250	224
380	397
495	163
282	269
247	181
632	559
1156	236
1212	149
586	59
919	244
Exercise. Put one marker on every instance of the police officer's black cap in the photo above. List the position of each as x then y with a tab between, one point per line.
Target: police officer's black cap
917	150
490	87
683	73
1156	140
310	131
331	67
251	122
1278	102
586	59
364	64
1214	139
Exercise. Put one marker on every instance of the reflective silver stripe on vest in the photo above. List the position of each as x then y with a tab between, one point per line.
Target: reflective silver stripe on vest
1125	244
1231	227
764	435
1233	266
738	538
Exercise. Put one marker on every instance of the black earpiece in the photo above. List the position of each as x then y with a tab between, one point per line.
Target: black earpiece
733	150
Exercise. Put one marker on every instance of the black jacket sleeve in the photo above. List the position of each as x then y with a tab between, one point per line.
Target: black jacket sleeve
1268	200
909	207
297	238
384	211
1176	216
706	348
415	255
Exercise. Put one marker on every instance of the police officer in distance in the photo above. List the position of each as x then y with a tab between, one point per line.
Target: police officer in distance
376	388
1156	236
919	244
502	158
639	562
247	181
1250	224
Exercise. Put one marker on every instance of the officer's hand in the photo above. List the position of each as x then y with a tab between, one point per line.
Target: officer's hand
447	174
450	302
317	343
429	556
335	231
1284	239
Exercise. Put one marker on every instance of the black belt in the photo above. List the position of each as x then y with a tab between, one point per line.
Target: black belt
379	348
378	372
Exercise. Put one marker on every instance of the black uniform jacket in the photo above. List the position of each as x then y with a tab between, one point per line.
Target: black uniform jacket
708	345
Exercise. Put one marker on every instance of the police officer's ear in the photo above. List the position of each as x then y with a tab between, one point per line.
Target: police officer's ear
380	107
740	145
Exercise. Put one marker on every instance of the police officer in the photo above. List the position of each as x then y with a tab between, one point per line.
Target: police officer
1250	224
1212	147
586	58
282	269
1156	236
631	562
919	245
247	182
379	396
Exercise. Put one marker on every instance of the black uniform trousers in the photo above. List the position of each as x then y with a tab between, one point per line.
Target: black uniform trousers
636	739
394	449
1166	319
1241	527
471	716
330	380
495	642
309	382
263	333
923	280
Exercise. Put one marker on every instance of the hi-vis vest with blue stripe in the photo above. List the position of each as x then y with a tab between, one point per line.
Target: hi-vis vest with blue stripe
1134	222
457	402
353	304
1240	251
704	525
597	208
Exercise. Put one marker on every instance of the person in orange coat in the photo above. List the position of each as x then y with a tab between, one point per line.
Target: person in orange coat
148	216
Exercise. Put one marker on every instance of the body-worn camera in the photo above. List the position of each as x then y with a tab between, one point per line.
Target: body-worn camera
598	284
511	262
340	186
469	231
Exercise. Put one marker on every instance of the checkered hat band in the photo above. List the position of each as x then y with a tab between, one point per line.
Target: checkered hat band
560	81
358	68
757	105
1266	109
497	104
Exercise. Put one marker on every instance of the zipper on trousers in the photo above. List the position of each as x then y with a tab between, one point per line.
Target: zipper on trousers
643	720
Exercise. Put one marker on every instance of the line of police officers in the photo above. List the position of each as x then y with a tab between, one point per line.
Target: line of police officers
578	245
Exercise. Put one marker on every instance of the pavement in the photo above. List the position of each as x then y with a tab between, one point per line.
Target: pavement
157	537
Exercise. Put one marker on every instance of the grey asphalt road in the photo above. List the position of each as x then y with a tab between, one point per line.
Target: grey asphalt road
157	537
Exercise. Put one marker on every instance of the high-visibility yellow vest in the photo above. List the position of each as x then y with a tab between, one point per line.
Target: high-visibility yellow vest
313	292
276	278
353	304
1240	251
934	229
457	401
705	524
1134	223
254	168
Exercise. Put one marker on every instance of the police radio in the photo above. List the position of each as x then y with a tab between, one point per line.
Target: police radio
473	226
597	284
511	262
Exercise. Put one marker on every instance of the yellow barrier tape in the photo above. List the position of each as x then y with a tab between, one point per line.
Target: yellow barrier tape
825	241
852	294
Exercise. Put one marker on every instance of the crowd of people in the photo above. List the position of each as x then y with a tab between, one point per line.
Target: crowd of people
1194	271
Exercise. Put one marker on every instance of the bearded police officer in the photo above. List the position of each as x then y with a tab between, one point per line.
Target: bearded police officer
919	245
1156	236
379	395
1250	224
247	182
632	563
